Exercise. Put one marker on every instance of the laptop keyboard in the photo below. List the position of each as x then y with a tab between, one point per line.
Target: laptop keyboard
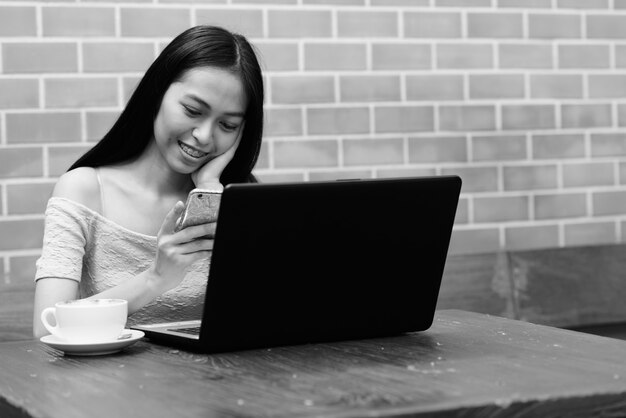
190	330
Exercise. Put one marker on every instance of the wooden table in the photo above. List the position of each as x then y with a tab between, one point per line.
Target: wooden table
466	365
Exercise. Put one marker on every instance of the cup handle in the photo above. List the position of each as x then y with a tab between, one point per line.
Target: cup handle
44	319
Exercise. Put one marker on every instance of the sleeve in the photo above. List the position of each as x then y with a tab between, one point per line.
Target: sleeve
63	242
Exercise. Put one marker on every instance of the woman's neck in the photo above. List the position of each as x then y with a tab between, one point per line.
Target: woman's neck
152	172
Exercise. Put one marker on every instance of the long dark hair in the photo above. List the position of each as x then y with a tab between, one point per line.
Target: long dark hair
199	46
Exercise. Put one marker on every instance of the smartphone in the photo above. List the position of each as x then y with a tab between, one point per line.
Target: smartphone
201	207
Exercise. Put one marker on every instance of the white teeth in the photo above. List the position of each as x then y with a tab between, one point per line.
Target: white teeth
192	152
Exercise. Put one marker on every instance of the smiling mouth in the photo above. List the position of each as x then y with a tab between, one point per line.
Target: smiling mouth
191	151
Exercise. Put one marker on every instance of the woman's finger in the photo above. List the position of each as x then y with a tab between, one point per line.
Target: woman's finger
198	245
212	170
196	231
191	258
169	223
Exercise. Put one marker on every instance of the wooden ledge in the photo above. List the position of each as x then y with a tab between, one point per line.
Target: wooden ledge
564	287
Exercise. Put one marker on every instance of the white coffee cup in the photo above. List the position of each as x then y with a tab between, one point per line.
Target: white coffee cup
87	320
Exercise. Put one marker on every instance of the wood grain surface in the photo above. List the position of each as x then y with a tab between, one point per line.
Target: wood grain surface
467	364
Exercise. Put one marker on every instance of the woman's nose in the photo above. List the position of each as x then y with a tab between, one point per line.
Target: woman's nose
203	133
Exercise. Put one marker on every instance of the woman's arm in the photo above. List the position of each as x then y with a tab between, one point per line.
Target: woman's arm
49	291
138	291
175	252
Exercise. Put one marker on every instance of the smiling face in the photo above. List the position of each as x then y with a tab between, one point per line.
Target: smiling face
200	117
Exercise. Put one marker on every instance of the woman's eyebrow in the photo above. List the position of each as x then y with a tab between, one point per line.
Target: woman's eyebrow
205	104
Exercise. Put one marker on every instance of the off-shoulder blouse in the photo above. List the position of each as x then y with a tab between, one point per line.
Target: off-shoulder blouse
82	245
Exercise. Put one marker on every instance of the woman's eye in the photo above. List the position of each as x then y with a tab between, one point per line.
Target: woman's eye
191	111
229	127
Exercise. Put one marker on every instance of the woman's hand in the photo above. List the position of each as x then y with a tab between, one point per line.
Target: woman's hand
178	250
209	173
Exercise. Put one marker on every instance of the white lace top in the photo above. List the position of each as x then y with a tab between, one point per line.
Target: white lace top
81	244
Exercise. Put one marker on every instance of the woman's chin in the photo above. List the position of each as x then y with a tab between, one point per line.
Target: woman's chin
184	167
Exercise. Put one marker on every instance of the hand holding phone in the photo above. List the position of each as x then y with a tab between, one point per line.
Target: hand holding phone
202	207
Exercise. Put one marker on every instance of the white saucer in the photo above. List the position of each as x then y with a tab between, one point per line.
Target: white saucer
93	349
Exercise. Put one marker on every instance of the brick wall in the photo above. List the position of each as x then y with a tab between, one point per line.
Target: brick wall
524	99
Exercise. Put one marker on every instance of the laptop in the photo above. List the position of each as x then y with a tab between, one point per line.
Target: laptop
313	262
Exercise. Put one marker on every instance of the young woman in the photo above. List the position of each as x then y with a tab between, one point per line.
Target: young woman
195	120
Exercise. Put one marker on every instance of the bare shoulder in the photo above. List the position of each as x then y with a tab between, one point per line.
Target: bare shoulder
81	186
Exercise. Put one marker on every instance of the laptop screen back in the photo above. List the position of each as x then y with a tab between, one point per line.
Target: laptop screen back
321	261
